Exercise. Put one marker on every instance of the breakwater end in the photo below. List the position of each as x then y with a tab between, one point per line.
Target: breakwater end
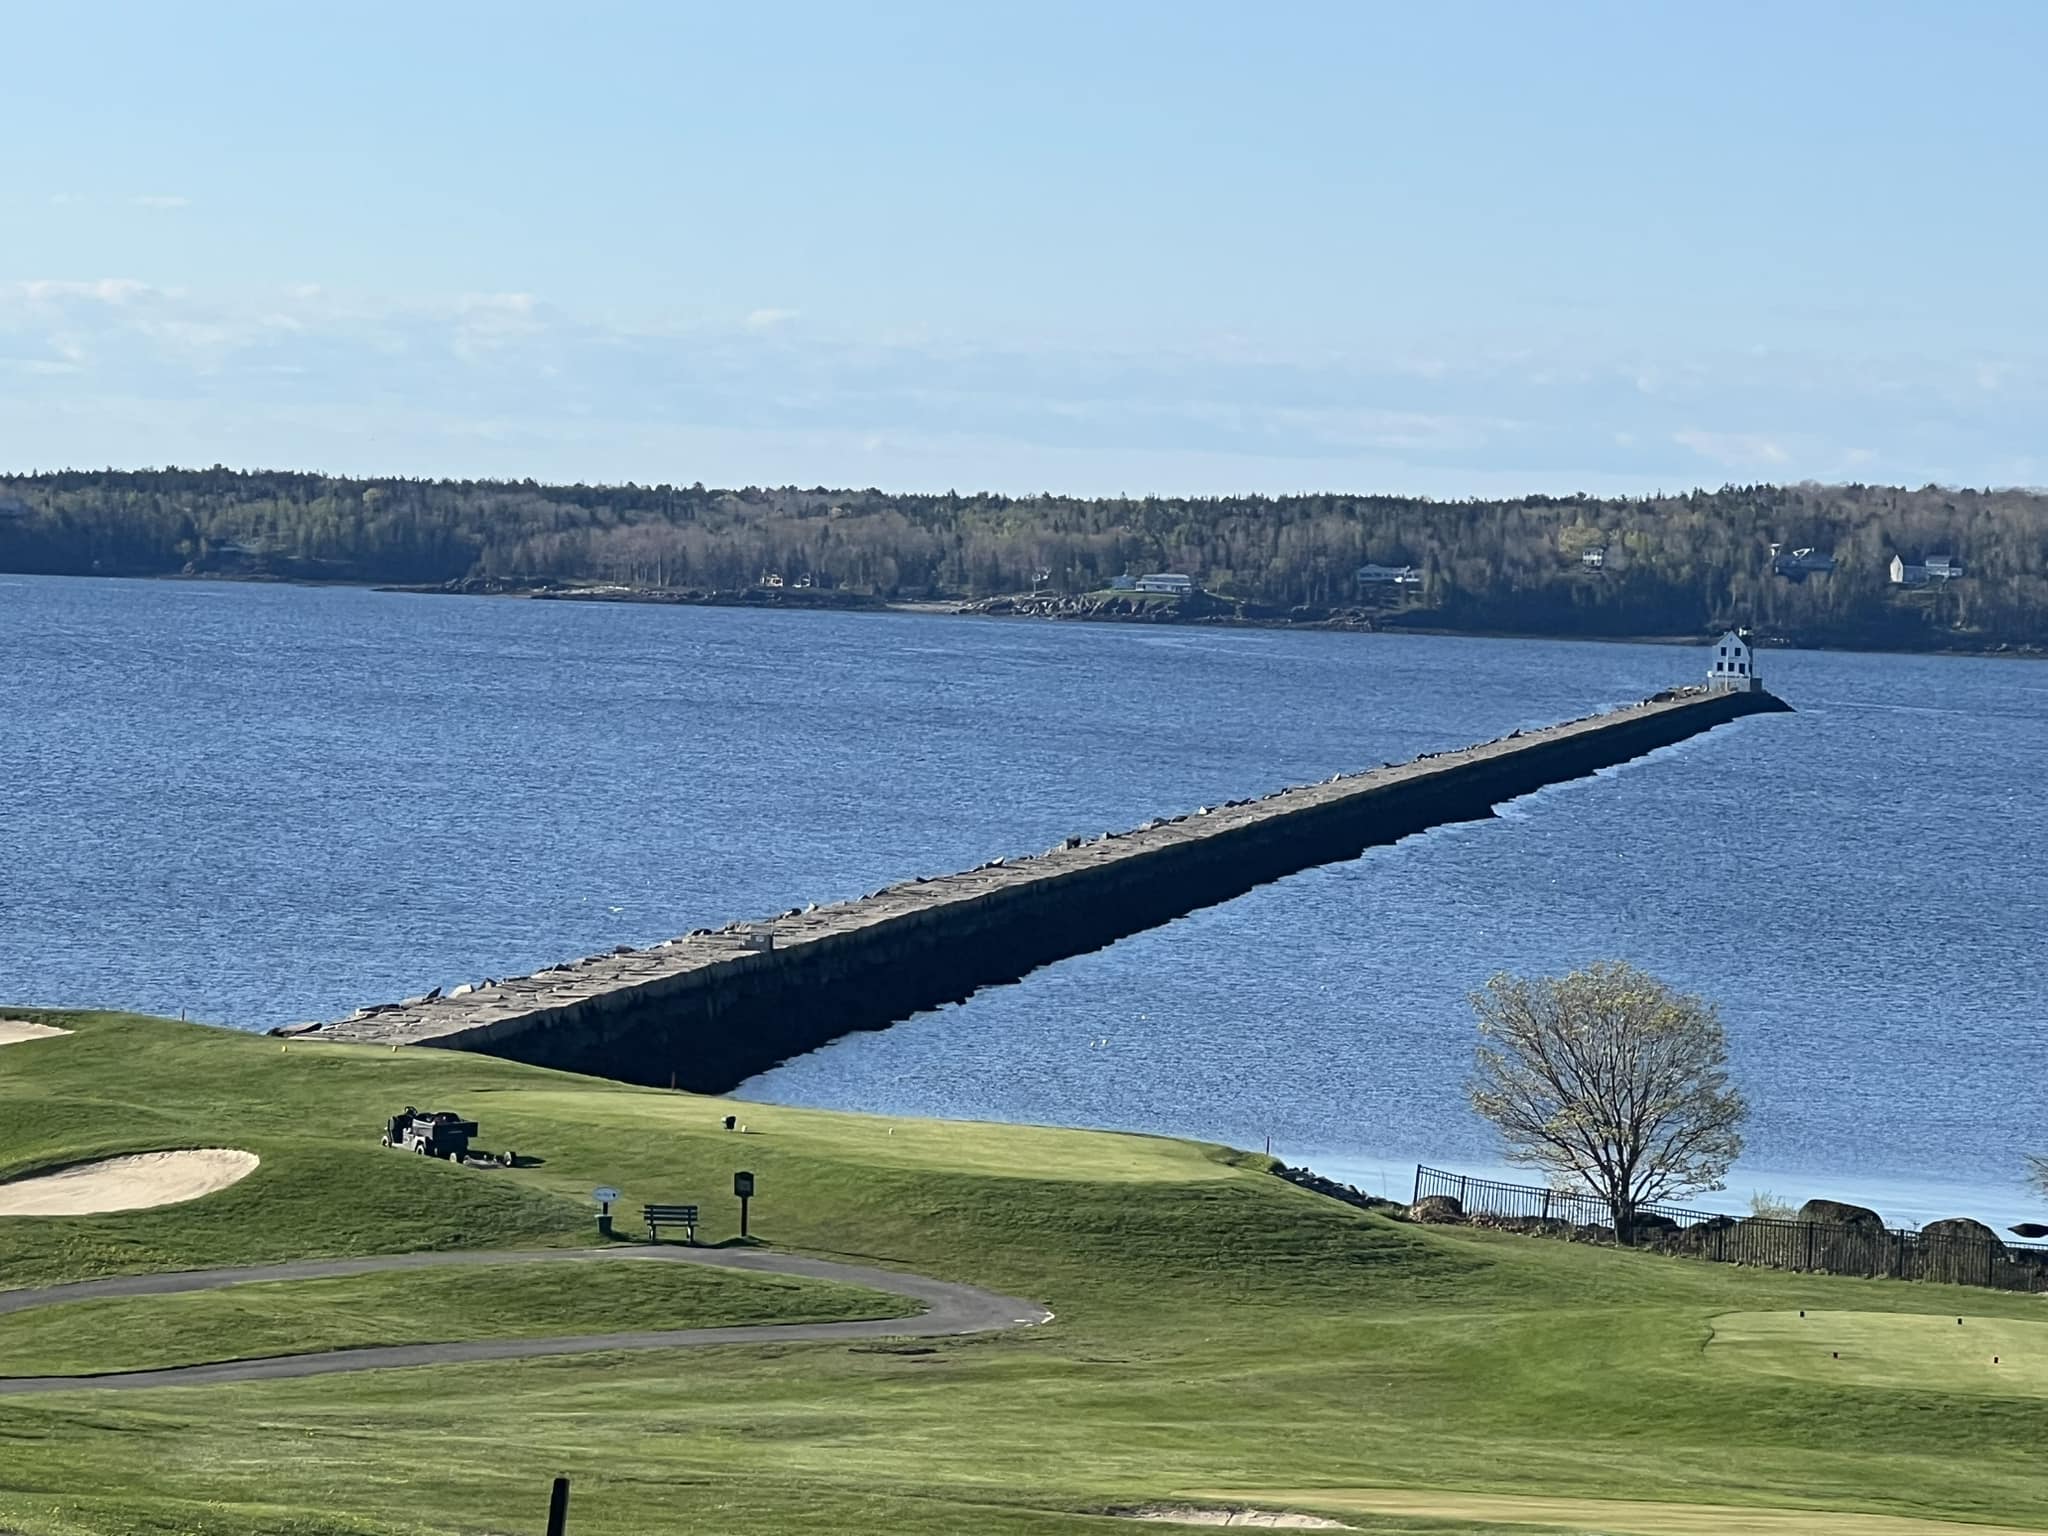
708	1010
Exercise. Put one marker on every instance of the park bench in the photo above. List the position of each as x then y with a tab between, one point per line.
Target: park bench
659	1216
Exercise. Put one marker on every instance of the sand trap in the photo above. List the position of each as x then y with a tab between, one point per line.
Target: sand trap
1256	1519
14	1031
126	1183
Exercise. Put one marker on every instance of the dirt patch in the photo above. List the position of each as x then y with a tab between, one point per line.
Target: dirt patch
1615	1517
1251	1519
15	1031
136	1183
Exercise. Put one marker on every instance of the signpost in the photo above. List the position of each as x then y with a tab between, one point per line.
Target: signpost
604	1195
743	1186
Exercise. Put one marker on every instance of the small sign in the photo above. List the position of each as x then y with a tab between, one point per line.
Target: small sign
743	1185
604	1195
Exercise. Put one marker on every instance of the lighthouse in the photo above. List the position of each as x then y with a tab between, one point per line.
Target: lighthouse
1734	666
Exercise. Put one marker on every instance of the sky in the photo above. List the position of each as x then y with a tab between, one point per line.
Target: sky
1105	248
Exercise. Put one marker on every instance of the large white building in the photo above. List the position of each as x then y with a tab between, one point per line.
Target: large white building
1734	666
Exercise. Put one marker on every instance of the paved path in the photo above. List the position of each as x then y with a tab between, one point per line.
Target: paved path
948	1309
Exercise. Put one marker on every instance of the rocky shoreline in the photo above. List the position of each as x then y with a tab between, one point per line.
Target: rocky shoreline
1204	609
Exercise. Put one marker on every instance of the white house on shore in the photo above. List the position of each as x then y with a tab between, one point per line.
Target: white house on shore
1734	666
1164	581
1933	568
1370	575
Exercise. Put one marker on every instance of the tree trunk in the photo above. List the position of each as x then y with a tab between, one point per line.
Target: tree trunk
1623	1211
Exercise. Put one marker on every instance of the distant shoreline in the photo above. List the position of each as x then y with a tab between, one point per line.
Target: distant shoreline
836	600
1342	621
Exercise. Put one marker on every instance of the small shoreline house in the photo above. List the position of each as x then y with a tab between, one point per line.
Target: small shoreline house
1801	563
1370	575
1178	586
1933	568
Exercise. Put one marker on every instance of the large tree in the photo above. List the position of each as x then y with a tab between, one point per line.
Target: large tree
1611	1083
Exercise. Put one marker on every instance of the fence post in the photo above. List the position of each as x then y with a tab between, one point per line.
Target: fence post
1546	1205
1809	1244
558	1508
1463	1180
1418	1185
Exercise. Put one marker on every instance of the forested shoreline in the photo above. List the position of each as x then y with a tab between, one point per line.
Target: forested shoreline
1569	566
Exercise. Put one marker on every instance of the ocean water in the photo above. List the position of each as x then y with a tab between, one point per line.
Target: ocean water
255	805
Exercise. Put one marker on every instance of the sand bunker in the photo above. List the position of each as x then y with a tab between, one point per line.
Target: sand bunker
14	1031
126	1183
1257	1519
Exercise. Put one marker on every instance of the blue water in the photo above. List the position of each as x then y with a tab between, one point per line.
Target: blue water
262	804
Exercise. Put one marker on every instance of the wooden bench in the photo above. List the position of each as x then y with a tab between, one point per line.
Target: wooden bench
659	1216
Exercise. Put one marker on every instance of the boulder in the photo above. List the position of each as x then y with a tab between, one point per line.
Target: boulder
1703	1235
1833	1213
1961	1229
1437	1208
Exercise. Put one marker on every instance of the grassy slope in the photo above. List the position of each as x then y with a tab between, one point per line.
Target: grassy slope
1217	1328
494	1301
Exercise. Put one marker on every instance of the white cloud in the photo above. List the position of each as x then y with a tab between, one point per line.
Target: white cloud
1735	450
104	290
513	370
496	303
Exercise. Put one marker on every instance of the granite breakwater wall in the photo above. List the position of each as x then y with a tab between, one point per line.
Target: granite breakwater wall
712	1008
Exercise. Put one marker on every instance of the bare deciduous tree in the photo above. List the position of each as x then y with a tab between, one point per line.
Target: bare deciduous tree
1610	1082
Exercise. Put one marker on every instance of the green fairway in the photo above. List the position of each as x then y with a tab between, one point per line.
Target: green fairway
1962	1352
1216	1328
494	1301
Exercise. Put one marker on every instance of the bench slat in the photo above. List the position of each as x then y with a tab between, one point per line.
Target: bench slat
659	1216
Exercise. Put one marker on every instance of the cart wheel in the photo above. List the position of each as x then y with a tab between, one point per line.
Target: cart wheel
383	1141
420	1147
454	1157
511	1159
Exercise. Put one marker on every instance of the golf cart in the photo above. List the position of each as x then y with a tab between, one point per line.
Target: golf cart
430	1133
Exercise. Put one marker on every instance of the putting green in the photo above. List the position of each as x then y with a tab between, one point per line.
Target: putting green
1909	1350
1609	1517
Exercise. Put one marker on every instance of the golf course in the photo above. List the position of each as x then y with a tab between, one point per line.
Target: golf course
934	1327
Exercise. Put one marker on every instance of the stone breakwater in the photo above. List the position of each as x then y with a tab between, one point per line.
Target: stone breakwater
710	1009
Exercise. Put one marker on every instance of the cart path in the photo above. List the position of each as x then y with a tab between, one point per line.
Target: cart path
950	1310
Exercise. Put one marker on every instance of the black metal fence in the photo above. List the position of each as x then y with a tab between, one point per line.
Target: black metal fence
1767	1242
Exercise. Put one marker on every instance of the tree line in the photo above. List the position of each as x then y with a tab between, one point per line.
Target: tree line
1670	565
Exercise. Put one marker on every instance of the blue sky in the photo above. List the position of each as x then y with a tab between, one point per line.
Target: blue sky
1456	249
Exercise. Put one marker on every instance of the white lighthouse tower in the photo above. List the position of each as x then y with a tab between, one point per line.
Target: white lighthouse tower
1734	666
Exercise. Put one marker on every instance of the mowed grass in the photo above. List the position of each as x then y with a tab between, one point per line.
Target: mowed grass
1998	1356
488	1301
1393	1508
1216	1328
